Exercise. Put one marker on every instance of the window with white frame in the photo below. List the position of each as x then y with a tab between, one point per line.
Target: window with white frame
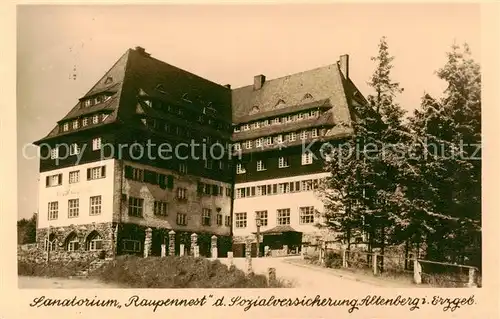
95	119
278	138
131	245
306	185
303	134
73	208
183	168
227	221
96	144
54	153
85	121
306	215
236	129
283	216
261	166
219	220
65	127
72	242
135	206
275	121
181	219
237	146
284	119
248	144
262	215
245	127
53	210
283	162
181	193
283	188
75	124
265	123
206	217
292	136
96	173
54	180
74	149
241	220
95	205
314	132
240	193
269	140
307	158
261	190
240	169
314	113
94	241
259	142
160	208
300	116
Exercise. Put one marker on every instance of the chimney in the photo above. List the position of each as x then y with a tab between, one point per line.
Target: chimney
142	51
258	81
228	86
344	65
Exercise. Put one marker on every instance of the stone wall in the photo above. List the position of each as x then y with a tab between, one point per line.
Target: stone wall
60	253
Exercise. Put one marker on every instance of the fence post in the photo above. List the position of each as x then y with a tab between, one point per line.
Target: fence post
271	278
248	255
417	270
472	278
181	249
344	260
213	246
230	257
374	263
163	250
171	243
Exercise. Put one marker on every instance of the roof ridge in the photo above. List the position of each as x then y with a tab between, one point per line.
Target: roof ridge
292	74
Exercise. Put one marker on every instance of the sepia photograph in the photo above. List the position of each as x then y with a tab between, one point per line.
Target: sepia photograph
300	146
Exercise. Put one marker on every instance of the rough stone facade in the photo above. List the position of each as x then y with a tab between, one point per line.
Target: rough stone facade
60	235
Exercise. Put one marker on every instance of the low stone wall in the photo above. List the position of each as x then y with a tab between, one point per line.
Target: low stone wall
36	252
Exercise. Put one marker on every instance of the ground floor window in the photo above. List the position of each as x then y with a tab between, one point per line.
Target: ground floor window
72	242
306	215
51	243
284	216
94	241
131	245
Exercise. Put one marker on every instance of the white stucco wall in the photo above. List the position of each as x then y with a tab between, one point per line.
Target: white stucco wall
82	190
272	203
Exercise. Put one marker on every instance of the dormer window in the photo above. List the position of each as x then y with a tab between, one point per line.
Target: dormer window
75	124
65	127
236	129
87	103
85	121
108	80
95	119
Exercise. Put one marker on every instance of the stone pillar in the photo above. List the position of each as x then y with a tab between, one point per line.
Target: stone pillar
196	251
115	244
163	250
248	255
472	278
417	271
147	242
181	250
285	249
303	251
230	258
194	243
344	259
271	276
213	245
171	243
375	264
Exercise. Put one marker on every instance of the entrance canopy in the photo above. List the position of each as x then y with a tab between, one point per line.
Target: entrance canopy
279	230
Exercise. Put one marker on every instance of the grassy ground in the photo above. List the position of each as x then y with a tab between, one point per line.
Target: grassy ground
156	272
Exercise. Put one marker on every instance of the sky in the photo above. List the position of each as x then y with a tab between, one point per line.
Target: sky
226	44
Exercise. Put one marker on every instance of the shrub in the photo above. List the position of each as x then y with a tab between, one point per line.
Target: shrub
53	269
333	259
178	272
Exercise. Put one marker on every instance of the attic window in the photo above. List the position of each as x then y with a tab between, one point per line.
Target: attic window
280	102
254	110
160	88
108	80
307	96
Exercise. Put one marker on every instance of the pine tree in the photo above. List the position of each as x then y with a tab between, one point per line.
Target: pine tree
444	186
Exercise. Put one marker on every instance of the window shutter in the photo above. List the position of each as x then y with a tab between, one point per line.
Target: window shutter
103	171
128	172
200	188
215	190
59	177
88	174
161	181
170	181
47	178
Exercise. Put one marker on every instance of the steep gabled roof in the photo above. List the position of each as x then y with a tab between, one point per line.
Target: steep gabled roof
296	90
137	71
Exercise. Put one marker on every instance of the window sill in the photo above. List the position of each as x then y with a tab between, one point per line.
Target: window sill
53	186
